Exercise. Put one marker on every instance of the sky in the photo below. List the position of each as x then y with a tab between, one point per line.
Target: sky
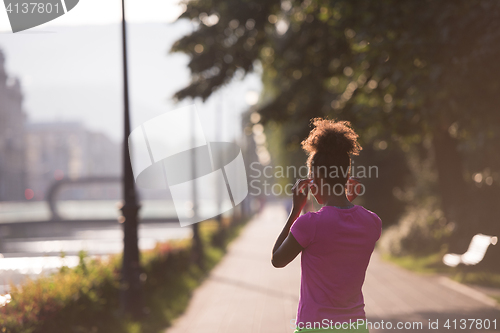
91	12
71	68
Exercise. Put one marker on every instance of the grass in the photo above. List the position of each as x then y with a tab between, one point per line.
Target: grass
429	264
86	298
487	279
432	264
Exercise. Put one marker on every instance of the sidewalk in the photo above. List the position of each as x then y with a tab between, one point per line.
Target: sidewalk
245	293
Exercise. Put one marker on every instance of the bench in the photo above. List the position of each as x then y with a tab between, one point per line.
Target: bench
475	253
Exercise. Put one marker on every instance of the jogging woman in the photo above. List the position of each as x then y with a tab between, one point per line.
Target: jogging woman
336	242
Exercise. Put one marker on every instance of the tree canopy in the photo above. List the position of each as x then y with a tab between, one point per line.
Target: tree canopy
409	64
403	68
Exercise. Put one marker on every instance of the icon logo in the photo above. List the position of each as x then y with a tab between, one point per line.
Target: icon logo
205	178
26	14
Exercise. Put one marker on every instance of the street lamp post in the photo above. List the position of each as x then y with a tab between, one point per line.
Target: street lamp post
130	292
197	248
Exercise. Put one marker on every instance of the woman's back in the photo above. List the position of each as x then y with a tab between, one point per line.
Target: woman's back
336	243
337	246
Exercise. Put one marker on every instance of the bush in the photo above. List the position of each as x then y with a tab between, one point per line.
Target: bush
73	296
422	230
86	298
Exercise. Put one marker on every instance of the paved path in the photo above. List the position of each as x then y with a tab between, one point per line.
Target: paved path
246	294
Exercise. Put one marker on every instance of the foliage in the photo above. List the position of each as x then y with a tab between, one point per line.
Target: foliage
422	231
38	305
402	71
408	65
85	298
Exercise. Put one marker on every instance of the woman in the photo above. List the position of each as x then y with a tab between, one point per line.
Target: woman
336	242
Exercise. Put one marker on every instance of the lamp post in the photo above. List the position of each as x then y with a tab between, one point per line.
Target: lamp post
197	247
130	291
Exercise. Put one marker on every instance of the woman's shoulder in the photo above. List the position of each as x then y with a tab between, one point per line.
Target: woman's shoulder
373	215
370	212
309	218
326	213
311	215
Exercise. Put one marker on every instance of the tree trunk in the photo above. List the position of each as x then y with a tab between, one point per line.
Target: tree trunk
451	182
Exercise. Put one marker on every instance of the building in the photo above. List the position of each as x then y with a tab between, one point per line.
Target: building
57	150
12	137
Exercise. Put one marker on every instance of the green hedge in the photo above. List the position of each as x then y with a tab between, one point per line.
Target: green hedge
422	231
85	298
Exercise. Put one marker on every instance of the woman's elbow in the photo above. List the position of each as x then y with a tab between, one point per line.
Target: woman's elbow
277	263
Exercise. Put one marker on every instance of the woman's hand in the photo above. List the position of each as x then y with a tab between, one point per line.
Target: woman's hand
352	188
300	191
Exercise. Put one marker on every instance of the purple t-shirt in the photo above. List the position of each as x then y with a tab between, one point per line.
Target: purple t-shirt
338	244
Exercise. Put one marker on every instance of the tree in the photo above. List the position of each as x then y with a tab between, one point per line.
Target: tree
404	68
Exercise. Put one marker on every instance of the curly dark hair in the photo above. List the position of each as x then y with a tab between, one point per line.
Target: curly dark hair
331	144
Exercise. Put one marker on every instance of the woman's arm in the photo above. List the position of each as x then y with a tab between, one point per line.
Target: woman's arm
286	247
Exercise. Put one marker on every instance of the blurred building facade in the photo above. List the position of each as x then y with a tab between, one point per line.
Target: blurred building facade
12	137
34	155
57	150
